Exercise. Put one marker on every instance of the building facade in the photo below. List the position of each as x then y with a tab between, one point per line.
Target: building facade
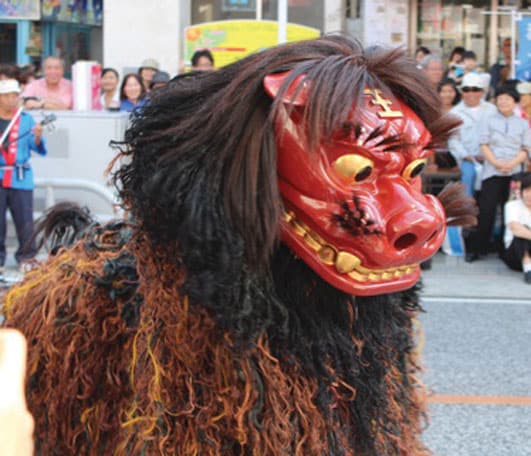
122	33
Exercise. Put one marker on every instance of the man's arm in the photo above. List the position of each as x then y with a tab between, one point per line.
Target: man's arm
457	148
54	104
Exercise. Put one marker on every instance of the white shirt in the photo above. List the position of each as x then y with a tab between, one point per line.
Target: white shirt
115	99
515	211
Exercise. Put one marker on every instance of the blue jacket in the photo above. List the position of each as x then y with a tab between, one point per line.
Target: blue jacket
128	106
23	180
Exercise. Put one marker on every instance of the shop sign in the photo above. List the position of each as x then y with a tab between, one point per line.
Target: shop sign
238	5
387	22
74	11
523	57
230	41
20	9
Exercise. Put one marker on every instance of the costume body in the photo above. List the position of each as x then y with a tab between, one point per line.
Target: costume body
16	192
136	377
261	300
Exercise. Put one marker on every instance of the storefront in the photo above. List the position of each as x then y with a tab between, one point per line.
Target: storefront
302	12
477	25
31	30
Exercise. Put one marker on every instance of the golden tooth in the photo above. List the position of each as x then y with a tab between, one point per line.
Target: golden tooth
374	277
409	270
387	275
306	227
346	262
316	237
312	242
398	273
287	216
327	255
363	270
357	276
297	227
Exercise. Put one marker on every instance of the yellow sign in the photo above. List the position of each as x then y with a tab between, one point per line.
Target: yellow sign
230	41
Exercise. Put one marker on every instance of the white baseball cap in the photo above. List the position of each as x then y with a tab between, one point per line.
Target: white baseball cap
473	80
9	86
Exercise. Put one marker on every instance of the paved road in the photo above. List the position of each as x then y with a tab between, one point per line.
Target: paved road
477	356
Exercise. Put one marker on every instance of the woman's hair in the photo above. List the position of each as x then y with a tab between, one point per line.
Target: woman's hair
423	49
9	70
452	83
525	180
26	73
202	53
124	82
458	50
110	70
507	90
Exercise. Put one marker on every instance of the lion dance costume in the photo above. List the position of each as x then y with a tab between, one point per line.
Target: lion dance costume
260	298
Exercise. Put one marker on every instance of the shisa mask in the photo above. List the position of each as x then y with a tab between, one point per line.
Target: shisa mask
354	209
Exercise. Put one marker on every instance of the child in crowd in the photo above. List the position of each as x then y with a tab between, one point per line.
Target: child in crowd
517	239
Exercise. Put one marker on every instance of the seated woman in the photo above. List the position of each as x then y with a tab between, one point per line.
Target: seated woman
517	253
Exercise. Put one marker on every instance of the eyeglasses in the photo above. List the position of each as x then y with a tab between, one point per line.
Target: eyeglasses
471	89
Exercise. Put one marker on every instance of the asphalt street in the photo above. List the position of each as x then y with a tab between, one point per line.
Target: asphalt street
477	356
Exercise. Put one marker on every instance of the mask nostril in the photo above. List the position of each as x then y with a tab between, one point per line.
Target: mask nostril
405	241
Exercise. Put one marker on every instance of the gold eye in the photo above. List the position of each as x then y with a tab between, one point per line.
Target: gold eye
353	167
414	169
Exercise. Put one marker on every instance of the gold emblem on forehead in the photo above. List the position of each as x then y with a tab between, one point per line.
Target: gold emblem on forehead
386	112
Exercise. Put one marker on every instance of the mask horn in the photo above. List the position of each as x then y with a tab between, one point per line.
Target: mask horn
295	94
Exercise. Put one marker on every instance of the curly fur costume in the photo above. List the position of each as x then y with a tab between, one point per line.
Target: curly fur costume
191	330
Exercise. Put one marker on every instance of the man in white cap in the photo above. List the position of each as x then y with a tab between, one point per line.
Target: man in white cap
20	136
464	143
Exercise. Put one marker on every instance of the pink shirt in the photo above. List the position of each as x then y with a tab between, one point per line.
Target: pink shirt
62	93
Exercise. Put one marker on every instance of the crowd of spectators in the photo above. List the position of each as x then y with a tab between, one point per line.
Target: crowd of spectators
491	150
49	89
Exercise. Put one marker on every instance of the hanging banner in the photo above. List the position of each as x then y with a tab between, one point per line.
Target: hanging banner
76	11
20	9
523	56
230	41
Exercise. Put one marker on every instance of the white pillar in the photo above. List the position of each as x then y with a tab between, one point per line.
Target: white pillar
131	34
493	33
282	21
334	12
258	10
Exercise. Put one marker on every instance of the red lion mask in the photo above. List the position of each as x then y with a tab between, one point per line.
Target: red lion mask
354	211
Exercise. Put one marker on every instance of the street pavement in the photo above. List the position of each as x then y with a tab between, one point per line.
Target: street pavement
476	347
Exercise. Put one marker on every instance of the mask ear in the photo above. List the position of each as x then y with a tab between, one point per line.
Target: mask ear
295	94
